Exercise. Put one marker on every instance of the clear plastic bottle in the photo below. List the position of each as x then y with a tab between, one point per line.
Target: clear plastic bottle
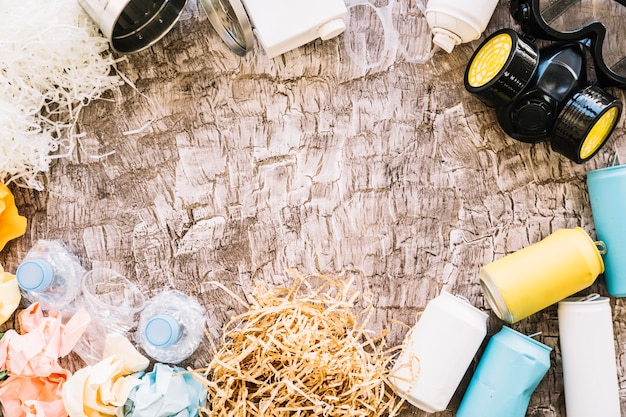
113	302
50	274
171	326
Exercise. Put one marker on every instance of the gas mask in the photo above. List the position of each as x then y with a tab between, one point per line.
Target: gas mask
546	93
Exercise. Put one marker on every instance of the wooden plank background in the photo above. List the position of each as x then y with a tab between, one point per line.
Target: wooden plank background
396	176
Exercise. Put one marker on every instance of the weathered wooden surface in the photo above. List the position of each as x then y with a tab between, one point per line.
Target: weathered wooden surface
251	166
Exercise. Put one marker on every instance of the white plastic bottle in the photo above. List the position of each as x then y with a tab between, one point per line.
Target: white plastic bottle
438	351
171	326
453	22
588	357
50	274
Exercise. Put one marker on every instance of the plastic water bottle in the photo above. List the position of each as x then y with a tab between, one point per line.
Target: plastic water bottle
50	274
171	326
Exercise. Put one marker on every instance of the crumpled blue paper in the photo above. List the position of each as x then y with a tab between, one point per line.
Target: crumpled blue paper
166	392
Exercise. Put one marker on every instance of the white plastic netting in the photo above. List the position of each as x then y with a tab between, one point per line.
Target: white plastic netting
53	62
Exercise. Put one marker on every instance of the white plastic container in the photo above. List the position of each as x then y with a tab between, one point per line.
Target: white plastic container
438	350
279	25
50	274
588	357
171	326
283	25
453	22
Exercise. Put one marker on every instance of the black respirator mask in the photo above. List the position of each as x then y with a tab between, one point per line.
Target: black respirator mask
545	93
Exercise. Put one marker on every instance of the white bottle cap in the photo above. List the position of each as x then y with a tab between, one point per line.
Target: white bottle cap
35	275
445	39
162	330
331	29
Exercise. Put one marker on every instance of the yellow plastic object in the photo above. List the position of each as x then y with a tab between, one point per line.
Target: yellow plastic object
533	278
12	225
490	60
599	132
9	295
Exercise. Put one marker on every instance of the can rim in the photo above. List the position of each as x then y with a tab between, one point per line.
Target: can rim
461	300
241	44
605	170
596	251
525	337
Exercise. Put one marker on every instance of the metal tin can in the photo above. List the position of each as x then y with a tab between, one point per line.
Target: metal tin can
607	195
542	274
588	357
437	352
134	25
508	372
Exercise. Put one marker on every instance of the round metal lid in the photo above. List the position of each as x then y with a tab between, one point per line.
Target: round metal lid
230	20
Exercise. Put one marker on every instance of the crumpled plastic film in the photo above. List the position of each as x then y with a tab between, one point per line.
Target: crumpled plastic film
43	341
388	44
12	225
9	295
167	392
101	390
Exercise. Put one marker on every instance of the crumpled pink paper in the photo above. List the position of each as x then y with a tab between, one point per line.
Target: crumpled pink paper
36	380
43	341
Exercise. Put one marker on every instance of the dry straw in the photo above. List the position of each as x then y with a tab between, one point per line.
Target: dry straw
300	351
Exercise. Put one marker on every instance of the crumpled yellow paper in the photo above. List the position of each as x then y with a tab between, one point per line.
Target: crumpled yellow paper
12	225
36	379
9	295
101	390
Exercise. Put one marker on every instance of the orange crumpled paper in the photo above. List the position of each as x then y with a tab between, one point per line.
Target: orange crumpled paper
34	396
36	379
9	295
12	225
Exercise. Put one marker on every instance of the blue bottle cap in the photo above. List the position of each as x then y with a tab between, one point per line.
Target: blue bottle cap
162	330
35	275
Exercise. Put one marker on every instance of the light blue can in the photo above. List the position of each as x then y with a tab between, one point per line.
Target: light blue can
607	195
510	369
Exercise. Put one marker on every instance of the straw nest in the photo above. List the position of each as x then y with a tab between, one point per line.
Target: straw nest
300	351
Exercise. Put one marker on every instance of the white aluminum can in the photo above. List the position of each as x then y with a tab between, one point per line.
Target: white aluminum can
588	357
438	351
